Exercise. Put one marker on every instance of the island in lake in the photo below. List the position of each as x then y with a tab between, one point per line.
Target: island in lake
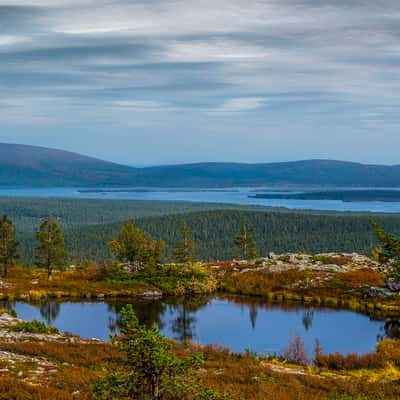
343	195
140	190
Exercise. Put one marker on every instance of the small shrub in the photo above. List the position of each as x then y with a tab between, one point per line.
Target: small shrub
12	312
211	394
35	326
296	351
362	277
9	311
387	352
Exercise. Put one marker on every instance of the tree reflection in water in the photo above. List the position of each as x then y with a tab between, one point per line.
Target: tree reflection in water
49	310
7	305
308	317
149	312
183	309
184	325
392	329
253	315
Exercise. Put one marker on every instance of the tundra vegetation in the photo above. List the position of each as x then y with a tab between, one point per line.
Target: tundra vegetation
140	264
137	364
40	363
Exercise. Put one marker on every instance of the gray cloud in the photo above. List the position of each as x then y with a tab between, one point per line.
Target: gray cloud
268	68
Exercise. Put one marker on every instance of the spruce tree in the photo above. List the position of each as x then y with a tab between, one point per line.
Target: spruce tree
389	250
8	244
150	369
247	247
184	250
134	247
51	251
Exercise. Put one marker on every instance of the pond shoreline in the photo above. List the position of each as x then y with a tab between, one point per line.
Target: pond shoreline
339	281
265	328
380	310
39	366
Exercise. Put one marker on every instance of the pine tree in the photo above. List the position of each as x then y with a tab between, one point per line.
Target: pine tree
245	243
51	250
184	250
8	244
133	247
389	251
150	370
390	244
152	254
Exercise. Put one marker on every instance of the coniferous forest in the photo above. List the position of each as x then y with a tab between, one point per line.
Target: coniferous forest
88	225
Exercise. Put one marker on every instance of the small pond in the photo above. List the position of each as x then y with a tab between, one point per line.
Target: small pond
238	323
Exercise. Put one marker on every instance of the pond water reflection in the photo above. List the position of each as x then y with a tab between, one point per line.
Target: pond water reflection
238	323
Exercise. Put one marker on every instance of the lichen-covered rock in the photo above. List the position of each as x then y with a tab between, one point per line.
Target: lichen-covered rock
393	284
152	294
373	291
7	320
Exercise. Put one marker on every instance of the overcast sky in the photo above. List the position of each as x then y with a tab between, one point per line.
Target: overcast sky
160	81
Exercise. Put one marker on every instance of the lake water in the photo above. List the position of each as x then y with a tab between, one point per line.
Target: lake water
237	323
232	196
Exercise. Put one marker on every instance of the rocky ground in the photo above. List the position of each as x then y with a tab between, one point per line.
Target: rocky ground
334	275
326	262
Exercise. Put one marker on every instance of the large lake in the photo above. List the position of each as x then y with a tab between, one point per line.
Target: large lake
232	196
238	323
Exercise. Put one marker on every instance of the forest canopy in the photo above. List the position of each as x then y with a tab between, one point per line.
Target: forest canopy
213	228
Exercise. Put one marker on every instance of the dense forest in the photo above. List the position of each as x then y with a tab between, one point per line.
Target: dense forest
215	230
28	213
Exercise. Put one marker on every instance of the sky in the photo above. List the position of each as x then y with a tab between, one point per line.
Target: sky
159	81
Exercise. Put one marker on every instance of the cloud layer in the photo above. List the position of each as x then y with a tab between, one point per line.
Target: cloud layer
176	80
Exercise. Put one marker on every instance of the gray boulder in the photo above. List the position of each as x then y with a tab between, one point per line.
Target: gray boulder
393	284
374	291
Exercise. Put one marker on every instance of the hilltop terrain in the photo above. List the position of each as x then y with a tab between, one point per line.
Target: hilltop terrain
31	166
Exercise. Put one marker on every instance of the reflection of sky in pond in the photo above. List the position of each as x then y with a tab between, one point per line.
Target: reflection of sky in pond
262	328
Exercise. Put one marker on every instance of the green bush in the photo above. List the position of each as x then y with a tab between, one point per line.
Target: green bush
172	279
34	326
9	311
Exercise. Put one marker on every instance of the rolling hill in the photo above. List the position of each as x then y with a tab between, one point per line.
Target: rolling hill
22	165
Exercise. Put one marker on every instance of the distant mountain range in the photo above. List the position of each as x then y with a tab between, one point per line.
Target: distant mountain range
22	165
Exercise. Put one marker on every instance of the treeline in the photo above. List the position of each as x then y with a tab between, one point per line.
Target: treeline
214	233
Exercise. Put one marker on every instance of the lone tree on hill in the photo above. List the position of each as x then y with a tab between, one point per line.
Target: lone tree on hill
246	244
184	250
8	244
134	247
51	250
150	368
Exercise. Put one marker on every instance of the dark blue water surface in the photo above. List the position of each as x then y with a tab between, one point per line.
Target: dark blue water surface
229	196
236	323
